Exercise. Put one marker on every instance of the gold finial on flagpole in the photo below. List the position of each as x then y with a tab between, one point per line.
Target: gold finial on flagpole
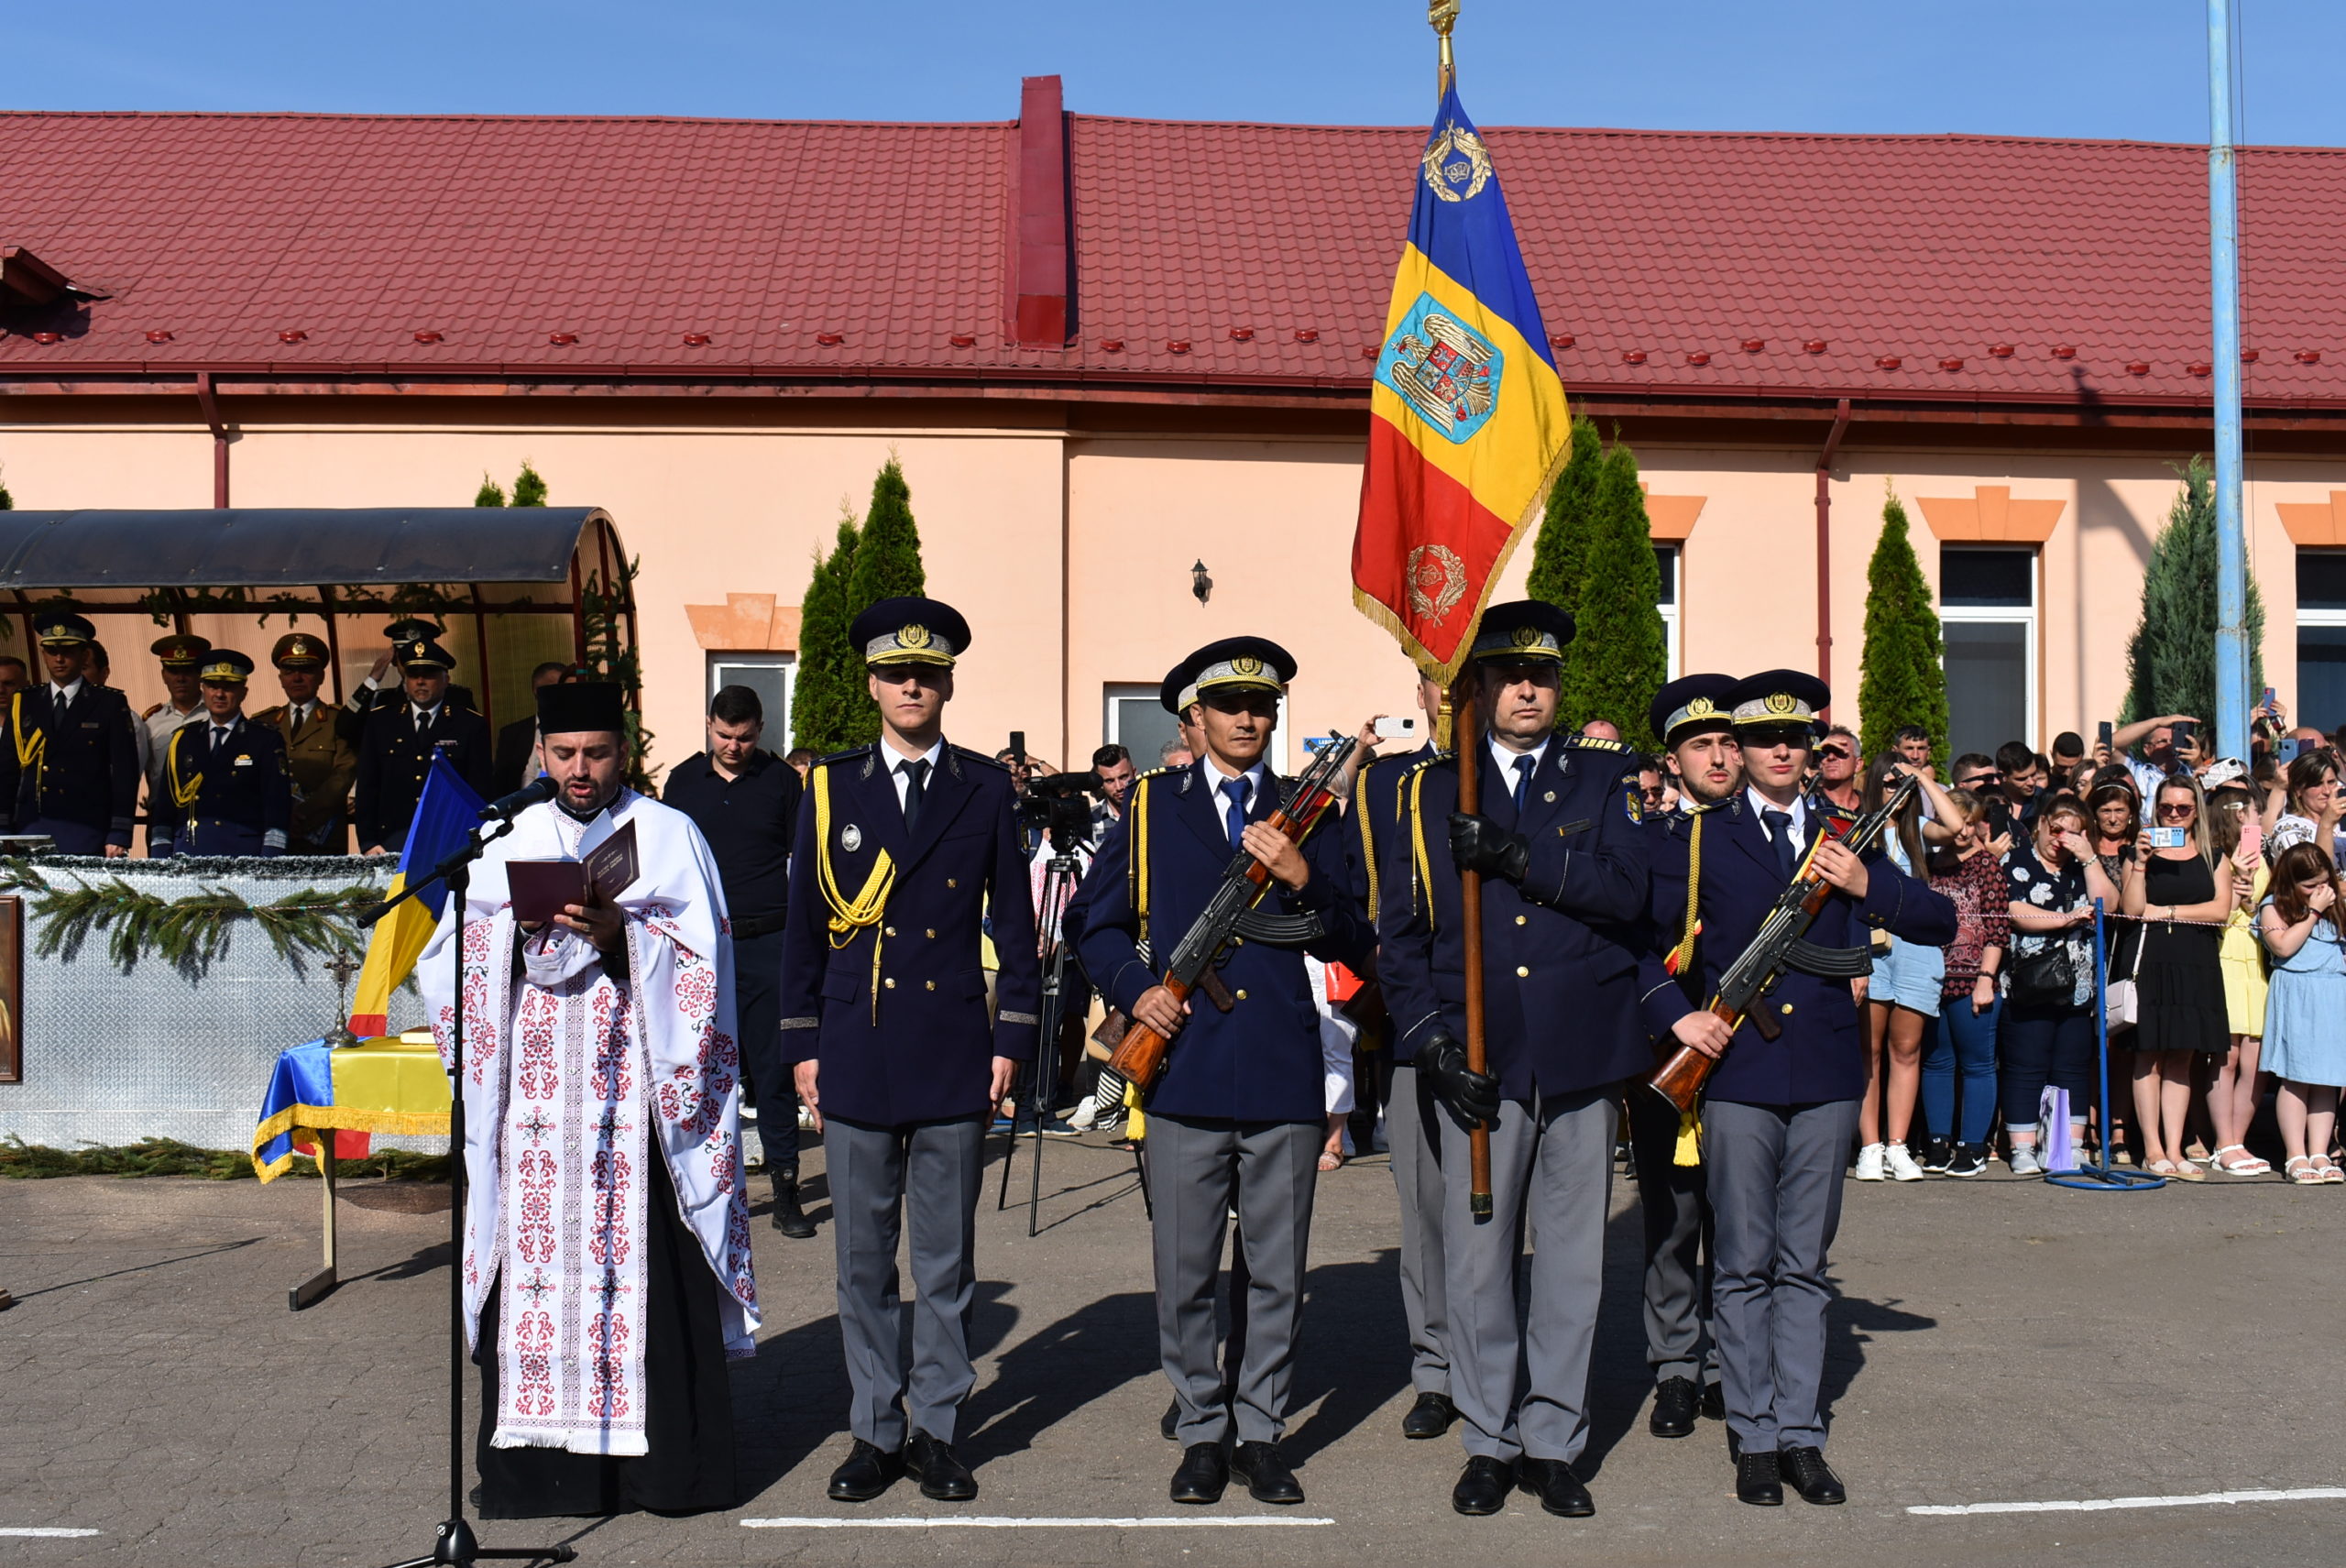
1441	16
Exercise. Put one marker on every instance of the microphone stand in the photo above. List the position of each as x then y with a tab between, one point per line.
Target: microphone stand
454	1543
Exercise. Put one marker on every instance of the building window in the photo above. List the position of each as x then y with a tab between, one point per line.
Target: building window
2321	639
772	676
1987	613
1137	721
1665	558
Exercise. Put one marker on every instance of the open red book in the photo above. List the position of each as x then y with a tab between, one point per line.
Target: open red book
541	889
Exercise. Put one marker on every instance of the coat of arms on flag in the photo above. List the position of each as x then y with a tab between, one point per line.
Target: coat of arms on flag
1445	370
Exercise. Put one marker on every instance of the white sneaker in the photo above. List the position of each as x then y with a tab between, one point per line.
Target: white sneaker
1901	1165
1870	1163
2025	1161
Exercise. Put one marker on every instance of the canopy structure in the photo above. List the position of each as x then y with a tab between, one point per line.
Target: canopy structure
513	586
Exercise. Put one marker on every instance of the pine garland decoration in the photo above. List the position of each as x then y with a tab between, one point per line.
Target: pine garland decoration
190	932
1901	675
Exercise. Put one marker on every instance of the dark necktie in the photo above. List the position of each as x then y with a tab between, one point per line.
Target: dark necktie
1234	818
1780	834
219	736
914	771
1523	766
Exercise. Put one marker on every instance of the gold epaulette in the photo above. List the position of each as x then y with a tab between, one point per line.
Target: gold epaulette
1597	744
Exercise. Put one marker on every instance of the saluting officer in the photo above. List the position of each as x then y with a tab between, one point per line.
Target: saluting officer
1695	722
70	767
1238	1118
374	693
1779	1113
1379	842
1563	855
320	754
225	786
395	752
904	848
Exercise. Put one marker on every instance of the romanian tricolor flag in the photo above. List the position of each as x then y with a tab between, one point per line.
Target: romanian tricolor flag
1467	423
446	812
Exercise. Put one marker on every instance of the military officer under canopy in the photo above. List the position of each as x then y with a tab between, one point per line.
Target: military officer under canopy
70	767
1563	858
225	787
904	848
373	691
1237	1120
321	756
395	753
179	656
1779	1113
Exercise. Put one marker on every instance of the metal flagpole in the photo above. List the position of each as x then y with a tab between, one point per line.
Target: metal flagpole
2223	255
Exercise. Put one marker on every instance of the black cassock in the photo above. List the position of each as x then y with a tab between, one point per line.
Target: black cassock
688	1404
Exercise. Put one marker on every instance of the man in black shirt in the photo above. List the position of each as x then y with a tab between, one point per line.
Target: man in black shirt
745	802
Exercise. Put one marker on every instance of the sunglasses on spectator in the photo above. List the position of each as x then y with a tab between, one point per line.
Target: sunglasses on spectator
1763	736
1838	754
2176	808
1652	792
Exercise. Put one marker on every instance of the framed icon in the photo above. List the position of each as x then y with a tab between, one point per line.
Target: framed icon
11	990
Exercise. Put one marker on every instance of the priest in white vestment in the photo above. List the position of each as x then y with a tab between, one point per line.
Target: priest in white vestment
606	1233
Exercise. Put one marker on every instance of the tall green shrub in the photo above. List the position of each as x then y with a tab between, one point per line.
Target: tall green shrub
1559	549
2171	658
830	698
887	558
1902	679
490	494
528	490
1622	653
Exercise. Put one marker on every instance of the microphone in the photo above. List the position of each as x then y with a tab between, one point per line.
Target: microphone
505	808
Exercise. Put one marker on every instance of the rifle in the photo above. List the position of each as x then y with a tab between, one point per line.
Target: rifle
1782	936
1140	1055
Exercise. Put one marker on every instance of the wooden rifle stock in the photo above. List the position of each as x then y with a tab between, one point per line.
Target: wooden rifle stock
1680	1079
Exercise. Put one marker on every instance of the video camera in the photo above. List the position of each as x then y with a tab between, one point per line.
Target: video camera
1058	804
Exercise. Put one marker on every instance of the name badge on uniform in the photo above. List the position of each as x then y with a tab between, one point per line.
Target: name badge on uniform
91	725
244	760
850	838
446	745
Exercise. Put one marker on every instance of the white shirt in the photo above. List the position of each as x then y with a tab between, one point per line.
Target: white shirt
1797	811
59	696
301	711
1504	760
422	717
1218	774
897	761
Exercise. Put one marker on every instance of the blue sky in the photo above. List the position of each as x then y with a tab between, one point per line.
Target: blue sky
2082	67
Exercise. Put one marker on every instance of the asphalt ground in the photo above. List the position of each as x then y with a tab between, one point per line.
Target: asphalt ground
1996	1341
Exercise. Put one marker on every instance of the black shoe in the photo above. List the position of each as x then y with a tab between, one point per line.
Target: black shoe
1970	1159
1203	1474
1759	1478
1168	1425
1714	1402
1674	1402
1806	1470
1430	1417
869	1471
788	1216
940	1472
1483	1485
1559	1490
1267	1478
1936	1155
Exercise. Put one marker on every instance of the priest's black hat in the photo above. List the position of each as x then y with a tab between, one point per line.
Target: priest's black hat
586	706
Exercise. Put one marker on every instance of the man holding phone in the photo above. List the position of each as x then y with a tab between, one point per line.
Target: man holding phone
2158	738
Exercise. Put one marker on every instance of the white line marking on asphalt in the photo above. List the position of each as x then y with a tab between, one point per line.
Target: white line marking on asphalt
2100	1505
984	1522
48	1532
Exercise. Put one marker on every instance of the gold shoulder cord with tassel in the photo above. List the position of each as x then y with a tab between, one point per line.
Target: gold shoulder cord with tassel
851	915
32	751
1689	1150
183	794
1137	889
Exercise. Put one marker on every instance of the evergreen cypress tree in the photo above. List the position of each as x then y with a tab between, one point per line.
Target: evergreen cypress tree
529	491
1559	549
2171	658
490	494
829	695
1902	677
887	558
1622	652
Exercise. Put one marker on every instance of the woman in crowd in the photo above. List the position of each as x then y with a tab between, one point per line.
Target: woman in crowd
2313	807
1971	873
2232	1093
2116	815
2046	1033
1902	994
2183	902
2305	1029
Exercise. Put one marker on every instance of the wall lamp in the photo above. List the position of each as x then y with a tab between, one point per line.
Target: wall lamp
1200	583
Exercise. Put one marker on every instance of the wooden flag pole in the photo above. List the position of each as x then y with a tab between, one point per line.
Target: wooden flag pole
1466	738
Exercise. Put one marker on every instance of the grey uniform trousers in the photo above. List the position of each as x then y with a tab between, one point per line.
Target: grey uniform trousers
1775	1180
1676	1206
877	1174
1552	1163
1199	1171
1414	1137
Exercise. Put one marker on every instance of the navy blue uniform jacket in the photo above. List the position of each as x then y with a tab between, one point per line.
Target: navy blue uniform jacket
1260	1061
242	791
1559	951
1376	844
81	767
1820	1055
893	1008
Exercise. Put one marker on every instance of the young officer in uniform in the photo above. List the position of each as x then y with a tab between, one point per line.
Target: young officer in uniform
1237	1120
225	787
180	655
1779	1114
319	755
1380	853
1560	843
70	767
395	752
904	848
1694	720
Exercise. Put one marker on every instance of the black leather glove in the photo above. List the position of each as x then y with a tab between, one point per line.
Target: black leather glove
1479	844
1472	1097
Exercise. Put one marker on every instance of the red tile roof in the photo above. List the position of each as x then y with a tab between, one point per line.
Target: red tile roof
1910	259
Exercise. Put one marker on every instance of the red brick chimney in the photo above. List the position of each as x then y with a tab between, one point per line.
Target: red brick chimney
1040	312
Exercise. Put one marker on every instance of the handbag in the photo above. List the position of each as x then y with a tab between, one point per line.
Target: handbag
2045	977
2121	1006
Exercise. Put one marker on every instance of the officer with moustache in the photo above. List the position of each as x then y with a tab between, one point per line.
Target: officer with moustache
71	765
320	756
1237	1120
904	850
1561	846
1694	718
225	786
395	752
1779	1114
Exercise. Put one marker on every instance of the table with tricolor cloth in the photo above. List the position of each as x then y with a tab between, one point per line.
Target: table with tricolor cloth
392	1083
